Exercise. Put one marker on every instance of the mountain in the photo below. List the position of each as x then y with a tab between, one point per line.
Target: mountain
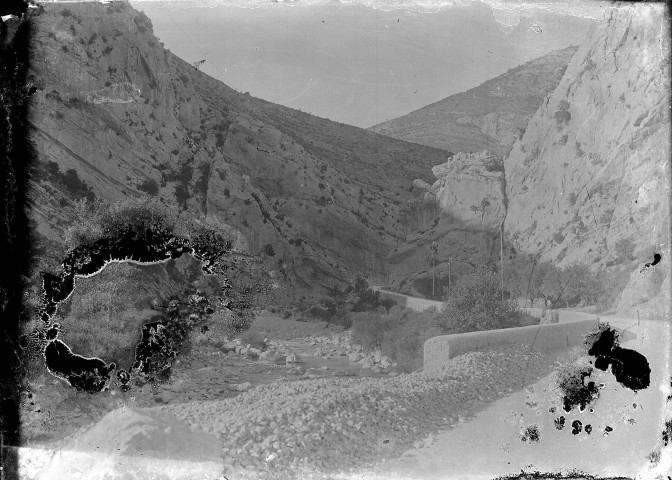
116	116
594	161
490	117
591	173
587	183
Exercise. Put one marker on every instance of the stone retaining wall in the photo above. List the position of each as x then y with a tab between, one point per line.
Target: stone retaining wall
439	350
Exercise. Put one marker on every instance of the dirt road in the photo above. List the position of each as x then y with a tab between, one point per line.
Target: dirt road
491	444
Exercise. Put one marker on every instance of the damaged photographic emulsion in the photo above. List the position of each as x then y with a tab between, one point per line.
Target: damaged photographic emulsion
329	239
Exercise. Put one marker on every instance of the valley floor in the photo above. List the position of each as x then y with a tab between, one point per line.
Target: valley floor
321	425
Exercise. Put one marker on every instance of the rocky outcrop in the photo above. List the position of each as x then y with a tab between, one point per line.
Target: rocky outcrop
491	116
466	206
593	165
647	293
470	187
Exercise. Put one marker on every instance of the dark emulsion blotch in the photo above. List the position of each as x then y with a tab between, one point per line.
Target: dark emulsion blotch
576	427
630	368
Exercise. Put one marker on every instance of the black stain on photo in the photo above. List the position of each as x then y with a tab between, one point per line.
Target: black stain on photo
559	422
17	158
531	434
657	257
630	368
577	388
576	427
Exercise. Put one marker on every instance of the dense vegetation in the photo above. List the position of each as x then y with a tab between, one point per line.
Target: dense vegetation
572	286
476	302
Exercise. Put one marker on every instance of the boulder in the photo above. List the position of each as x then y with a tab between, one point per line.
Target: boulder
279	359
292	358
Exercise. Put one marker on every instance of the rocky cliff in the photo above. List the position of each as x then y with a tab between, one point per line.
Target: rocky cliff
461	214
489	117
115	115
593	165
592	169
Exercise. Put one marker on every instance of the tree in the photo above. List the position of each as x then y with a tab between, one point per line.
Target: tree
582	287
476	304
363	298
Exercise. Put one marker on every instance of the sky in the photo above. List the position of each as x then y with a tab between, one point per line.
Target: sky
355	64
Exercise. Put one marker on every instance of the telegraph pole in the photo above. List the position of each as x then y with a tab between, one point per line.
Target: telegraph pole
448	276
434	250
501	255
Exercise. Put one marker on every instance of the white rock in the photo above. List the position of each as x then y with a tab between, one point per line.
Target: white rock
241	387
292	358
354	356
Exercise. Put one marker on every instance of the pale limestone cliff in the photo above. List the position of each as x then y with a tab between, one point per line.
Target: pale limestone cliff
593	165
470	187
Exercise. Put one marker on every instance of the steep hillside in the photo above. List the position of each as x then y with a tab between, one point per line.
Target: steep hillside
489	117
591	174
115	116
592	167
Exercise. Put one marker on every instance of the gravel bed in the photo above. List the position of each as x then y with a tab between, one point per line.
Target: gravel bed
312	428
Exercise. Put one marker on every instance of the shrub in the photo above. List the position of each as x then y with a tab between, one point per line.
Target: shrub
364	298
149	186
476	303
562	117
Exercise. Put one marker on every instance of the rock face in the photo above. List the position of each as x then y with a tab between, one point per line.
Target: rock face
593	165
647	294
471	188
116	116
466	205
490	117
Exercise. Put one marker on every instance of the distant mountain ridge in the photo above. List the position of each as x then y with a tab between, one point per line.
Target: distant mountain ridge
491	116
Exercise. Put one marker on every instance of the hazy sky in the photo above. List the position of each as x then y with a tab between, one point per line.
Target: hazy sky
355	64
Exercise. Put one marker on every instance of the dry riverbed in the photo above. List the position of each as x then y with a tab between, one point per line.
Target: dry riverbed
316	427
309	404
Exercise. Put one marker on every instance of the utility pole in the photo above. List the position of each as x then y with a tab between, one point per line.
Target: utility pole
501	255
448	276
434	250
